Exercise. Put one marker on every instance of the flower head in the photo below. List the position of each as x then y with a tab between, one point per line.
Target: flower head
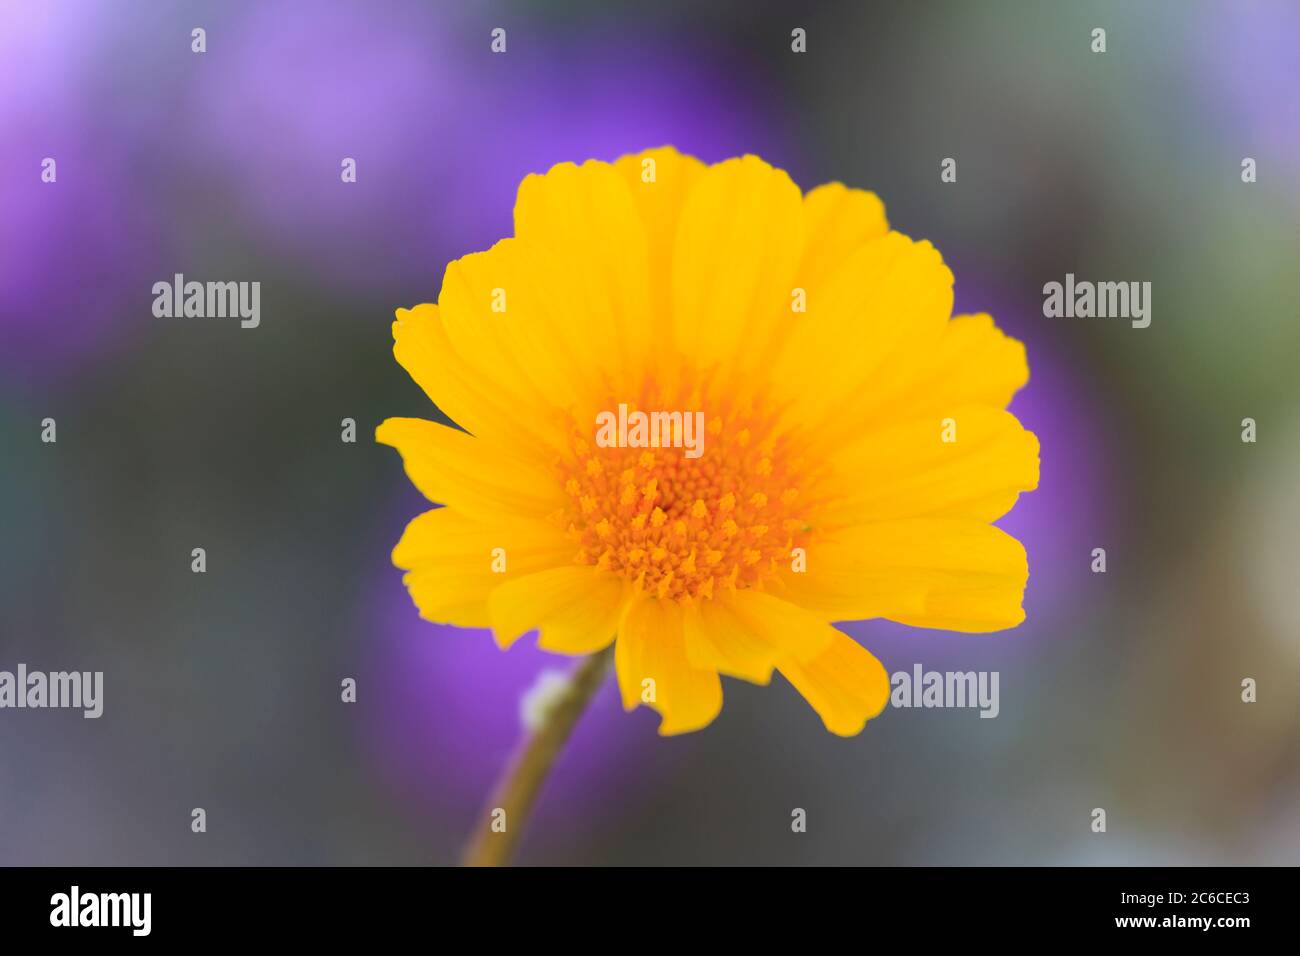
703	416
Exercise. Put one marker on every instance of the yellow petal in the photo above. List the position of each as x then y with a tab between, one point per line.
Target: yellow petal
972	363
479	477
845	684
653	668
521	352
837	221
577	609
421	346
910	470
450	561
659	181
717	639
746	633
789	630
889	298
956	574
738	245
581	232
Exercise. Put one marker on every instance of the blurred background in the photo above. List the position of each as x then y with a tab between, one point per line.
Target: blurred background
1122	690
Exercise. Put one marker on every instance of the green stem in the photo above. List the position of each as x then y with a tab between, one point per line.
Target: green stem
517	791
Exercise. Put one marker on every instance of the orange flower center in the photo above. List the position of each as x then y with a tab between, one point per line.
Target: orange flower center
682	528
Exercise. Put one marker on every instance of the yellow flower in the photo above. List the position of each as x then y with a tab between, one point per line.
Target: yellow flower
855	448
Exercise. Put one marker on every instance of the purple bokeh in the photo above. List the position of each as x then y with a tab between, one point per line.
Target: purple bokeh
441	129
246	140
616	98
449	719
295	89
1247	61
73	252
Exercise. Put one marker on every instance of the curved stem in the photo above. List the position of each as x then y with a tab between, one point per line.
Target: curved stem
516	792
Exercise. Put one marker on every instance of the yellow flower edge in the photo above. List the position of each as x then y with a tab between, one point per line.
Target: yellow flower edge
856	446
